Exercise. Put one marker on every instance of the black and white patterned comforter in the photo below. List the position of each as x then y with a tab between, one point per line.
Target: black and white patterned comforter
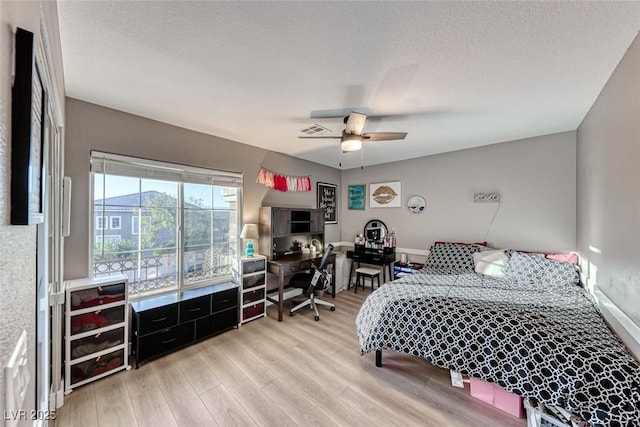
548	342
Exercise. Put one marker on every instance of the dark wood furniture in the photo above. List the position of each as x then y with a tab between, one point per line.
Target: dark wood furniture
167	322
281	228
286	266
383	257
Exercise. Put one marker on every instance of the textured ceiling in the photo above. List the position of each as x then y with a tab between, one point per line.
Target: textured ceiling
451	74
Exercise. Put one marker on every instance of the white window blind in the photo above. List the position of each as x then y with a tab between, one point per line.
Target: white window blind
114	164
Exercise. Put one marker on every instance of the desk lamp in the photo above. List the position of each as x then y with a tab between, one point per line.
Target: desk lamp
249	232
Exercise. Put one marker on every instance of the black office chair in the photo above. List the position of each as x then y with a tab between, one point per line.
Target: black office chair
318	279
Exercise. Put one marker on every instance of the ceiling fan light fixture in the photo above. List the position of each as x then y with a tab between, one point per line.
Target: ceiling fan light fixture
351	144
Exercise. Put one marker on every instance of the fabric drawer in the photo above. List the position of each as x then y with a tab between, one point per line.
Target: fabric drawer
253	266
165	340
253	281
195	308
96	366
216	323
225	299
255	295
96	319
158	319
94	297
95	343
252	311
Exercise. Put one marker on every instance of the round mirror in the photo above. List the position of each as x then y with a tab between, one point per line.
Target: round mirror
375	230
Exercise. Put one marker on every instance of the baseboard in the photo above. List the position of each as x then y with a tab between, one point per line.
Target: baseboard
624	327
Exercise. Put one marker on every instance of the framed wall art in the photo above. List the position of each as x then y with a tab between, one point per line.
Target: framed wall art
327	199
356	196
385	195
27	110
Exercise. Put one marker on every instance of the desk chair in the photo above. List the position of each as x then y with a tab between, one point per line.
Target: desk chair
317	280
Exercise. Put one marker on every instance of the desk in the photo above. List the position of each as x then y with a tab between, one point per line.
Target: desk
286	266
374	258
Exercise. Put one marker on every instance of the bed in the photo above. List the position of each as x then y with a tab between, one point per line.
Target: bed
527	326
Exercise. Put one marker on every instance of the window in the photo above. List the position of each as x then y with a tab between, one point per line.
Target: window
135	225
100	222
184	222
114	222
107	239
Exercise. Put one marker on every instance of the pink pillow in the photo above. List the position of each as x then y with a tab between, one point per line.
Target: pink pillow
570	258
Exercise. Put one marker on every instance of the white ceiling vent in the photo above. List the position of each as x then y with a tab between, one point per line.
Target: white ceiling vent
314	129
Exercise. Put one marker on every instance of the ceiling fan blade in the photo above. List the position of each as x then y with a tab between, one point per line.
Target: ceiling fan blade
334	113
355	123
318	137
384	136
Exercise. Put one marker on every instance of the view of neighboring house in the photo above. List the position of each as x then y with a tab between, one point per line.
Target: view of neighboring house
118	219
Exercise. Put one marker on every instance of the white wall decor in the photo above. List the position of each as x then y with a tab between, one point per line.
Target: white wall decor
416	204
385	195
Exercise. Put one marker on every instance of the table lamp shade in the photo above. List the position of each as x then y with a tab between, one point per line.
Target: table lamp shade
249	232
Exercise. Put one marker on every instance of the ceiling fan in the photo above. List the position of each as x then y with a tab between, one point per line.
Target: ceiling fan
352	136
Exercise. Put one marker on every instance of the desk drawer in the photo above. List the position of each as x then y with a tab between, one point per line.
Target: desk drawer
225	299
165	340
294	267
158	319
291	268
195	308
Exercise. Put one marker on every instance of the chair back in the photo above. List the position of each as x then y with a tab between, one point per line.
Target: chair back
325	256
319	279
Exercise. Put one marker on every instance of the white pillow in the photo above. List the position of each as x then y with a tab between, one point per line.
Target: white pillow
491	263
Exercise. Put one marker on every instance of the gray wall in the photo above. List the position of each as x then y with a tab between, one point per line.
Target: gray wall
92	127
535	177
608	220
18	243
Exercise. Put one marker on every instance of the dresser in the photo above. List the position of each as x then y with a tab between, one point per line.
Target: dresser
251	275
96	329
168	322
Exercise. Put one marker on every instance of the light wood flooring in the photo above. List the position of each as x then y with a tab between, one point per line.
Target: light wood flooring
297	372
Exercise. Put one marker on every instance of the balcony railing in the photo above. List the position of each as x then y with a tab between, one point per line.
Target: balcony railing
159	273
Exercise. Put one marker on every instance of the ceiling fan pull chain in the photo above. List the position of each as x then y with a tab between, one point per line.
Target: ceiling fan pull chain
362	159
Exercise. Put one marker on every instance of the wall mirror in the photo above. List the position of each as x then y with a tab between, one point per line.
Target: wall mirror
375	230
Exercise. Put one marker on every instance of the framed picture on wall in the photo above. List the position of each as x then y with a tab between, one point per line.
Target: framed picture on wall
27	111
385	195
356	196
326	194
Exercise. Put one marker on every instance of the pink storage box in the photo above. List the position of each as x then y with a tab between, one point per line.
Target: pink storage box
494	395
